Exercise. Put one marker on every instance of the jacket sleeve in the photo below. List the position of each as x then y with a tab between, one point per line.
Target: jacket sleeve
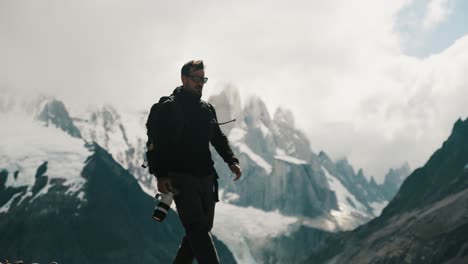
161	137
221	143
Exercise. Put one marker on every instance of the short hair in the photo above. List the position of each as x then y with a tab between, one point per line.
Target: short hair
191	66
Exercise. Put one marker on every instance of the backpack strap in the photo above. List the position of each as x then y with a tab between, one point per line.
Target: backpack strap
212	117
178	115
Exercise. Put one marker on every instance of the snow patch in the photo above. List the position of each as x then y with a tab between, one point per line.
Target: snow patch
254	227
135	128
281	155
377	207
348	220
6	206
350	209
115	132
228	197
321	223
30	144
235	137
147	190
236	134
265	130
280	151
81	196
243	148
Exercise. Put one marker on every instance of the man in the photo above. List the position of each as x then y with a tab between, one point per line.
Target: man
182	162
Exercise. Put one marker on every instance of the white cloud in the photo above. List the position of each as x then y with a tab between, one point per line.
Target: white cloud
338	65
436	12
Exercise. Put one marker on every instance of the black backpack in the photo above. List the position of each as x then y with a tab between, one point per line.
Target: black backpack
154	115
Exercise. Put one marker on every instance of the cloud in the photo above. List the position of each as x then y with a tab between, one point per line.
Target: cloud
338	65
436	12
407	120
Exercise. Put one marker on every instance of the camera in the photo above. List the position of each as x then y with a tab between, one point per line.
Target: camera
162	208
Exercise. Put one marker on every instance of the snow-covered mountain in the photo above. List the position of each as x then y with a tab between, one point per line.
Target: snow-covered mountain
275	156
282	173
295	194
121	133
65	200
272	147
76	199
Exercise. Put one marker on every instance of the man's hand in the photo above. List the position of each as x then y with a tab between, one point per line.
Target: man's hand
235	168
164	185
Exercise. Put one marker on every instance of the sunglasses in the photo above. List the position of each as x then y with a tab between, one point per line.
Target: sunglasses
198	79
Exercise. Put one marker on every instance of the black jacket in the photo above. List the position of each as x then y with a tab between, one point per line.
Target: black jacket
182	139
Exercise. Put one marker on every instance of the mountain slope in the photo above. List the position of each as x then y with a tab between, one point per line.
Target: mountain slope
426	222
63	201
123	134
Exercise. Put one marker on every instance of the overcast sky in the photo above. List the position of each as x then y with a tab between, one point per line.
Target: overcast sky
380	82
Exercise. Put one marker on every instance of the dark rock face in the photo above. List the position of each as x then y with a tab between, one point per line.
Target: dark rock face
41	178
107	127
3	178
291	189
40	183
54	112
7	193
441	176
426	222
111	223
273	184
299	189
41	170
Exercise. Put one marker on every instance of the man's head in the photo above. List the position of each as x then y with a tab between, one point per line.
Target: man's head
193	77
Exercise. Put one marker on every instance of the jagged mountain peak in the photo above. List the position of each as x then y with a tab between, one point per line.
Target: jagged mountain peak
360	173
228	106
396	176
107	114
323	156
460	124
256	111
406	166
44	108
36	160
284	116
459	132
231	92
344	165
229	95
53	111
442	175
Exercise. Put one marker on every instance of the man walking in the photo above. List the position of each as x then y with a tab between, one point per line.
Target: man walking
183	126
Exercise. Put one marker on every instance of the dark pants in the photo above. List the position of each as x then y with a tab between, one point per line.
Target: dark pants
195	203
